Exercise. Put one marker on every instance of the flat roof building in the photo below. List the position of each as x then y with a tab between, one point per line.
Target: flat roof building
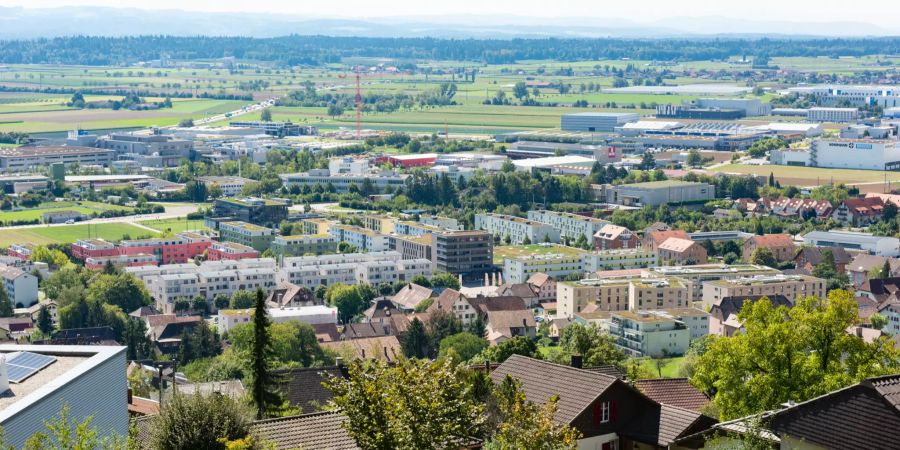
850	240
570	225
790	286
656	193
28	158
596	121
698	274
517	229
463	252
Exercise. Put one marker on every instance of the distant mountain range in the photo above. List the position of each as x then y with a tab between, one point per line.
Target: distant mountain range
29	23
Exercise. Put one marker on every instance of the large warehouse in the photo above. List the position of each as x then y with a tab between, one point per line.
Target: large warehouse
596	121
870	154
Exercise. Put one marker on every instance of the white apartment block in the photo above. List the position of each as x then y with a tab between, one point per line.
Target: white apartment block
230	186
517	228
696	275
21	286
351	268
569	225
363	239
519	269
626	258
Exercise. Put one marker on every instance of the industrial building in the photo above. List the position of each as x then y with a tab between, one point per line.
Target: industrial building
829	95
826	114
541	149
28	158
153	150
278	129
596	121
850	240
382	181
655	193
869	154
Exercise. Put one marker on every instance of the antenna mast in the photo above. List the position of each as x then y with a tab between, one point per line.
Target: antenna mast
358	105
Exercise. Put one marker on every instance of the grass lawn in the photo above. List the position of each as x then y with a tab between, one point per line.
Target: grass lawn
508	251
35	213
812	175
176	225
668	369
70	233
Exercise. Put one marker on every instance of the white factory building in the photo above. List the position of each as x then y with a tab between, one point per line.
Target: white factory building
596	121
870	154
884	96
849	240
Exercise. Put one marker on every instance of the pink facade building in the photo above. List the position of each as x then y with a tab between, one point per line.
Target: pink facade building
230	251
93	248
173	250
21	251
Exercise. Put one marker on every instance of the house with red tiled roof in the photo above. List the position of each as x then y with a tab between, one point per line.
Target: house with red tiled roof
781	245
611	237
808	257
652	239
797	207
681	252
859	212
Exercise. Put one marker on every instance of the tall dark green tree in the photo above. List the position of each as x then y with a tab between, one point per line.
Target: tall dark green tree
6	306
45	322
416	343
264	382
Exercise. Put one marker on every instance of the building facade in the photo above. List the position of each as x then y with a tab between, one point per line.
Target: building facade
517	229
790	286
463	252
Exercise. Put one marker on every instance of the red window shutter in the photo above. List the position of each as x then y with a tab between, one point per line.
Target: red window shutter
598	412
614	413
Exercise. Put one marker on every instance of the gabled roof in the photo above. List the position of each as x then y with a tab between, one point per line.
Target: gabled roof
678	245
663	424
411	295
674	392
813	255
504	321
864	262
658	237
867	206
318	431
326	332
728	306
772	240
611	232
502	303
523	290
541	380
538	279
302	387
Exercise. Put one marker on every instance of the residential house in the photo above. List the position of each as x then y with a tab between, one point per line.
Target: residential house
809	257
527	292
797	207
653	239
411	296
781	245
607	412
314	431
382	348
681	252
503	325
859	212
863	264
545	286
21	286
612	237
863	415
723	313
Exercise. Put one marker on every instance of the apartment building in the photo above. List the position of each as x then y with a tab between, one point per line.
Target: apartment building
624	258
315	225
790	286
169	283
621	293
518	269
380	223
177	249
698	274
21	251
381	181
649	333
362	239
781	246
681	252
569	225
244	233
463	252
93	248
415	228
445	223
351	268
21	286
100	262
517	229
230	251
413	246
302	244
611	237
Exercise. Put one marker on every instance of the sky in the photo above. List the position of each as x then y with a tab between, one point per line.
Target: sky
883	13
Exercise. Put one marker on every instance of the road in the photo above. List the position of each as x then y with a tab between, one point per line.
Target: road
238	112
172	212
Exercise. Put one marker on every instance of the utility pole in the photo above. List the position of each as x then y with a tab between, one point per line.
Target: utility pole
358	105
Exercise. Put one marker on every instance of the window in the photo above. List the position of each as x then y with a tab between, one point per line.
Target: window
604	412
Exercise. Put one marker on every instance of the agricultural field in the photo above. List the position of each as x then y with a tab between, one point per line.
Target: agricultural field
175	225
65	234
506	251
84	207
814	176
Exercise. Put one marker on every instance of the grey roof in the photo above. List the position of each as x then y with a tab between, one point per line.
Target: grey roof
318	431
846	237
541	380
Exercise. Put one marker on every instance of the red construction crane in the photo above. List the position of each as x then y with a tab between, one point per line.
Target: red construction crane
356	70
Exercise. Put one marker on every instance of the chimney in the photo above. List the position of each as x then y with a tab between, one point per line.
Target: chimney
4	378
576	361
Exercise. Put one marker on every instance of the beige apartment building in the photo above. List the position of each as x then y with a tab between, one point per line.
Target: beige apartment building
621	294
790	286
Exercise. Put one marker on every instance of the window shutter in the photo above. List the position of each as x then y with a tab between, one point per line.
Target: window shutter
614	413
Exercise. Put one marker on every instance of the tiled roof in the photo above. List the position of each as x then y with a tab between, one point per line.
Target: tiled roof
673	391
541	380
658	237
675	244
326	332
864	415
302	387
664	424
411	295
733	305
607	369
318	431
538	279
523	290
385	348
772	240
813	255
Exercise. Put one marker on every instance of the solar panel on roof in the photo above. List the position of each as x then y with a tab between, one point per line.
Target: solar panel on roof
21	365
